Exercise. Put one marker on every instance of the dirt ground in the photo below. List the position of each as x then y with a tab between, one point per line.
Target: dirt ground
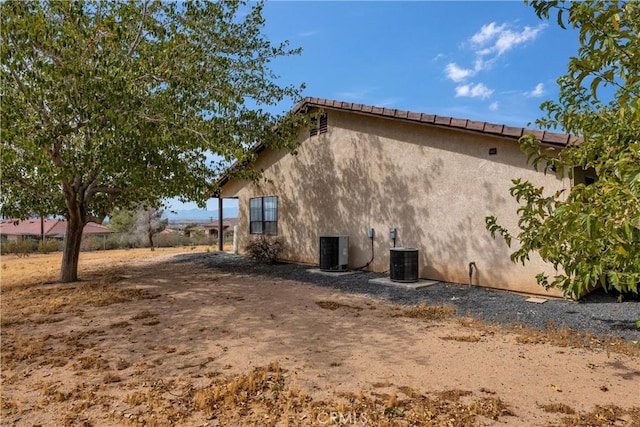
145	341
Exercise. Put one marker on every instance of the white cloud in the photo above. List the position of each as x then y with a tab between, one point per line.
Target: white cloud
488	44
492	39
474	91
537	92
480	64
494	106
456	73
487	32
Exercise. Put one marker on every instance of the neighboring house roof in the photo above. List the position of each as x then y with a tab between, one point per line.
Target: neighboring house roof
52	227
226	224
550	139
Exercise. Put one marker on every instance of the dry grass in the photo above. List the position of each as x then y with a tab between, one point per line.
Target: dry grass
263	396
429	312
558	337
603	416
461	338
333	305
20	302
27	294
27	299
558	408
39	269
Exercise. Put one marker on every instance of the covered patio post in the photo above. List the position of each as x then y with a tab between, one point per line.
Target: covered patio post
220	232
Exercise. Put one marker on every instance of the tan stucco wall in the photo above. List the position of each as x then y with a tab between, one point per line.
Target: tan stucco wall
434	185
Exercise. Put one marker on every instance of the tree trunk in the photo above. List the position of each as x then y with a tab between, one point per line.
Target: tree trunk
72	241
151	240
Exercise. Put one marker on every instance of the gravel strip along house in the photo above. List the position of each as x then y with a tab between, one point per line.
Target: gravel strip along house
388	178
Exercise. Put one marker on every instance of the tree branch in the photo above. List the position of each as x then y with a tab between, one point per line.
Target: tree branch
34	104
136	41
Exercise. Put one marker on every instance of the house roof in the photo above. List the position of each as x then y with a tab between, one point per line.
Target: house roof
52	227
550	139
226	223
512	132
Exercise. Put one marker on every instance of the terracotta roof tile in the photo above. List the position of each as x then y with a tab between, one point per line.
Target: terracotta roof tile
539	134
558	138
459	123
493	128
403	114
443	120
427	118
511	132
473	125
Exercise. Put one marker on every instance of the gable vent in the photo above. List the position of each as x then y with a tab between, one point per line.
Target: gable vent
319	126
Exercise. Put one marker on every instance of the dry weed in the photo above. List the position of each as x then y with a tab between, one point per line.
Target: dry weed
429	312
565	337
559	337
601	416
557	408
21	302
453	395
93	361
333	305
461	338
111	377
145	314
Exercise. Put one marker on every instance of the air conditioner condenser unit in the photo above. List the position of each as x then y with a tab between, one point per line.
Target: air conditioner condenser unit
334	253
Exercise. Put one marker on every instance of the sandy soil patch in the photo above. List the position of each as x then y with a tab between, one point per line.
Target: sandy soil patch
152	342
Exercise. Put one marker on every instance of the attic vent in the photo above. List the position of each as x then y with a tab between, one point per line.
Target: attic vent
404	265
318	128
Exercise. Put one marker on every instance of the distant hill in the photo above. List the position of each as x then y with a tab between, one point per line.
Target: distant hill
199	215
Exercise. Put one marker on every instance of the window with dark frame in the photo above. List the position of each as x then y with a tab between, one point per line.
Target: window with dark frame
319	125
263	215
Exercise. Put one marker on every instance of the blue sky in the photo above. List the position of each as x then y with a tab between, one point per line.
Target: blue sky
488	61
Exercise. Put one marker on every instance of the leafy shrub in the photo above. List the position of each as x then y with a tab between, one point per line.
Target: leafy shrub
113	242
92	243
21	248
48	245
265	249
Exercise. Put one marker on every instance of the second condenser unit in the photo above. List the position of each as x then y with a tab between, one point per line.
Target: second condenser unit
403	265
334	253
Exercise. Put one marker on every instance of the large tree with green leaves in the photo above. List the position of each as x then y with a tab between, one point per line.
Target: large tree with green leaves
115	103
591	233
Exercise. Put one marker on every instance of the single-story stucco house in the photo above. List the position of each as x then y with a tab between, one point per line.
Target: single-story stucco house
432	178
